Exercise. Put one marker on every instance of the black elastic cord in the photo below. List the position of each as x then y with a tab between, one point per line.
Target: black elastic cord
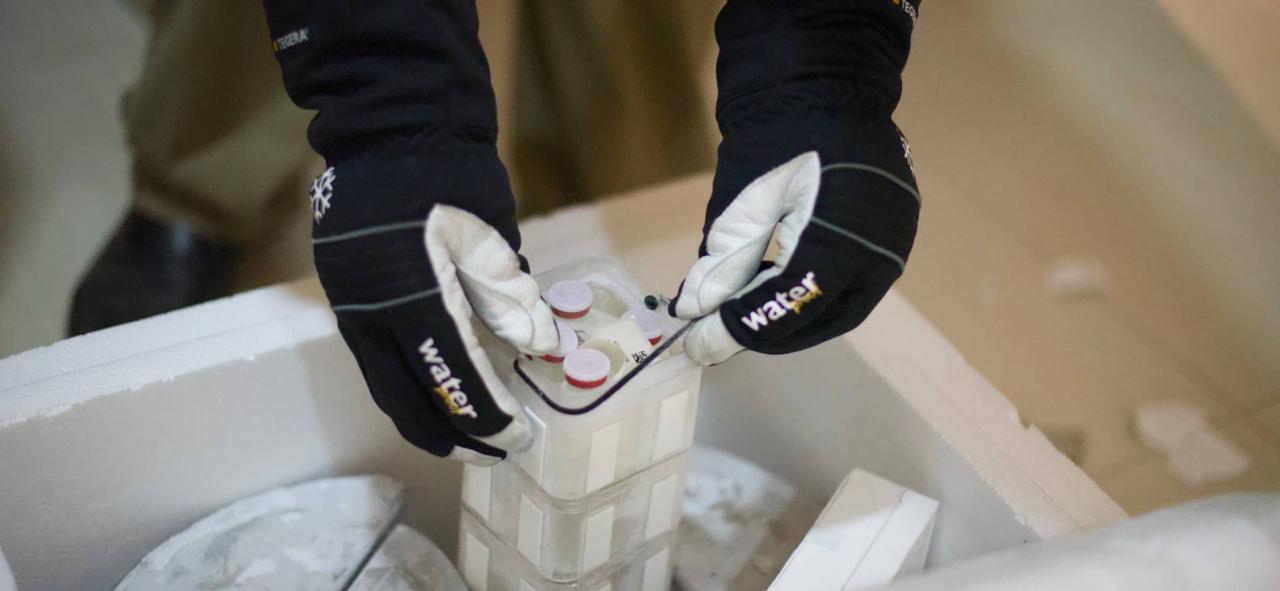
613	389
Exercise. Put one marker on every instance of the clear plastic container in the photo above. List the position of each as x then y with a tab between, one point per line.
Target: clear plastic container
489	564
565	539
648	420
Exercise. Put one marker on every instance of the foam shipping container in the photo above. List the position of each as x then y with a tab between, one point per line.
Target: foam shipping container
114	441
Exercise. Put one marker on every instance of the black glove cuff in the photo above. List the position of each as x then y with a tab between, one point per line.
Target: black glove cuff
780	55
867	98
385	72
401	186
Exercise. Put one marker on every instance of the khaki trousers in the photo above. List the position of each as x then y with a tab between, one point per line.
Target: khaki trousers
596	97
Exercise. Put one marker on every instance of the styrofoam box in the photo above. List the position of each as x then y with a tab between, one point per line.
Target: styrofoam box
565	539
489	564
112	442
650	419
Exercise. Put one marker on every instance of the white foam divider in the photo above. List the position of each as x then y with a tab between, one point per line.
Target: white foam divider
864	537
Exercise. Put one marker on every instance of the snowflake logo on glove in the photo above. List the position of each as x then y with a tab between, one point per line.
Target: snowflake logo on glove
321	192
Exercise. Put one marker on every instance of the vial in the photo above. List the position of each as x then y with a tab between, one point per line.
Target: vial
570	299
649	322
586	368
568	342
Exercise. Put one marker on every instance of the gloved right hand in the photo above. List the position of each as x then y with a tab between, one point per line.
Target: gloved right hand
408	248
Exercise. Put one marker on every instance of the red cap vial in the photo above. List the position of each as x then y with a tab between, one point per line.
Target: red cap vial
570	299
649	322
586	368
568	342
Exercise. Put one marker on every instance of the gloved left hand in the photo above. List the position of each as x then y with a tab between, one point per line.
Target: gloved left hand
410	248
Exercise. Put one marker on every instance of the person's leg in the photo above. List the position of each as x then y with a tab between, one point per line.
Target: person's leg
215	144
610	96
213	135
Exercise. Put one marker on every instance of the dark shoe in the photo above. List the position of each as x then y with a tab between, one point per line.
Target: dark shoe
149	268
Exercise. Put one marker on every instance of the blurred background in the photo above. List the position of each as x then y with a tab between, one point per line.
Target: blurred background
1100	237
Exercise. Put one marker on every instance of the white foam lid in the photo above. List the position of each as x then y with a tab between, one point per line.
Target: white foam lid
586	365
569	296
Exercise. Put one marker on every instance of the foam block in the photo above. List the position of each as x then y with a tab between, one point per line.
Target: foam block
313	535
408	561
1196	454
730	506
6	576
870	532
1225	542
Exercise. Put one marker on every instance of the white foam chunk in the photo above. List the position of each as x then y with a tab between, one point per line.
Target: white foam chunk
408	561
1075	278
1207	457
300	537
870	532
729	504
1225	542
1167	424
1194	452
901	546
6	575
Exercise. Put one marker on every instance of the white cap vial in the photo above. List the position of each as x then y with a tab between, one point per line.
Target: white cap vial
586	368
568	342
569	299
649	322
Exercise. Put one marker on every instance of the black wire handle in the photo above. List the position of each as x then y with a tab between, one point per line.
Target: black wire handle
590	406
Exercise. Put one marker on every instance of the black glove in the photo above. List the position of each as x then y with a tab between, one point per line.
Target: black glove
809	151
414	220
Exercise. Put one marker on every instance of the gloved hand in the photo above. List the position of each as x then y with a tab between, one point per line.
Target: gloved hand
404	285
414	221
809	152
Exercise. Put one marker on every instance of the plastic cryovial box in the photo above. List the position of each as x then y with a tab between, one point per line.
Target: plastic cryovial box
489	564
566	539
649	419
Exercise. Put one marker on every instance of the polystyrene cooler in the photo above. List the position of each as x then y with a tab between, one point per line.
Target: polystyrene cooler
98	432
